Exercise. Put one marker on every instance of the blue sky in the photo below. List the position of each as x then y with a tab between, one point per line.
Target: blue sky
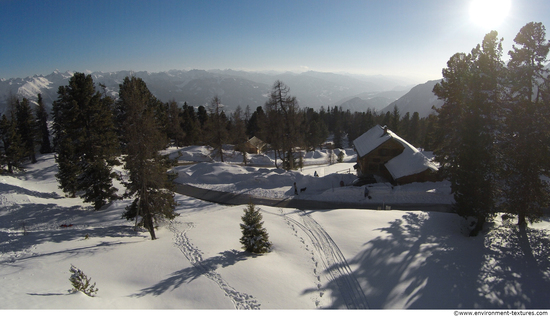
412	39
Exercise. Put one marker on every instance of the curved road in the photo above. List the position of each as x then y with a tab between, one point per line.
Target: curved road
225	198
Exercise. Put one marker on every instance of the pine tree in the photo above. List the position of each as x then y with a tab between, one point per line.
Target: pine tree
395	120
414	129
255	238
190	125
254	126
13	152
42	126
238	131
526	145
202	116
26	128
149	181
85	141
472	91
99	157
175	130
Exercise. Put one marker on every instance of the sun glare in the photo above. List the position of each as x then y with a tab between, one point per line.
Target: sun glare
489	13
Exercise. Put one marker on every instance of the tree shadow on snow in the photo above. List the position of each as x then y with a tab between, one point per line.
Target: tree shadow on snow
24	226
189	274
423	261
8	188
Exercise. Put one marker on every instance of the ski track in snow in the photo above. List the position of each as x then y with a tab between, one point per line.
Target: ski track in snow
333	260
193	254
290	223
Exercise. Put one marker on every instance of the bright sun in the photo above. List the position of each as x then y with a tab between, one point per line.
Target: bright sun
489	13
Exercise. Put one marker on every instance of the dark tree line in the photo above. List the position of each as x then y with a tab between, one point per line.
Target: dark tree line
493	131
286	127
22	129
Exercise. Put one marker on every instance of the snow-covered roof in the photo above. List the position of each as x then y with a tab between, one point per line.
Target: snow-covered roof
254	141
370	140
409	162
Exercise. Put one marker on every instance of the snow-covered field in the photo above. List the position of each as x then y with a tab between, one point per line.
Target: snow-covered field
269	182
341	258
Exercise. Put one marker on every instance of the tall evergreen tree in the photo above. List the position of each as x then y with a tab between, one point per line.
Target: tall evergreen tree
42	126
202	116
190	125
175	130
26	128
85	141
12	151
238	130
526	145
395	120
149	181
467	126
255	123
414	129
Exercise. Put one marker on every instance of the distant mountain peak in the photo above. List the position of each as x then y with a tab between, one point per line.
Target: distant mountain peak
235	87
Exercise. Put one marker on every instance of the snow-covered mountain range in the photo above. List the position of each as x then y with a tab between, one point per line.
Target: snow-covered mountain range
235	88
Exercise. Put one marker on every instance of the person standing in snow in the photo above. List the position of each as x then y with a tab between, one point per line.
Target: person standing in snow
367	192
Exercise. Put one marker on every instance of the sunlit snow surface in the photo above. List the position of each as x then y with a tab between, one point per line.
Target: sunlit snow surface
341	258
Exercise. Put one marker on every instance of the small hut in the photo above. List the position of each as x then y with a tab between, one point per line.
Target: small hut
254	146
383	153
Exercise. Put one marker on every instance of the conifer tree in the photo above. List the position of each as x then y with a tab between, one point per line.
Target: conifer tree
175	130
12	151
149	181
238	130
85	141
202	116
472	91
190	125
42	126
254	237
254	126
414	129
395	120
26	128
526	145
100	155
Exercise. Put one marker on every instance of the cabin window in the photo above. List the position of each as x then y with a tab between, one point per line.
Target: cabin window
383	152
376	160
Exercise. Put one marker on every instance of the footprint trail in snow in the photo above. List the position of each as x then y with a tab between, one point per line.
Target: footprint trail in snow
193	254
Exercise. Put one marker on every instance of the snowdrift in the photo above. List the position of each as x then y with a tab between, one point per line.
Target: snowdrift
320	258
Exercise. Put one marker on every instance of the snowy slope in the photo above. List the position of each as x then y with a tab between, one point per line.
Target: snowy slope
320	258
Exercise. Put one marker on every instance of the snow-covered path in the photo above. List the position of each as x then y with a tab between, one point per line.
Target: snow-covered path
334	262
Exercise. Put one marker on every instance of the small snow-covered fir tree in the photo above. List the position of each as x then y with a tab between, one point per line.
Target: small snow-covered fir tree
81	283
255	238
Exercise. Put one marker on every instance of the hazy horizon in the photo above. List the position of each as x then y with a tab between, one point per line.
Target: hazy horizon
406	39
